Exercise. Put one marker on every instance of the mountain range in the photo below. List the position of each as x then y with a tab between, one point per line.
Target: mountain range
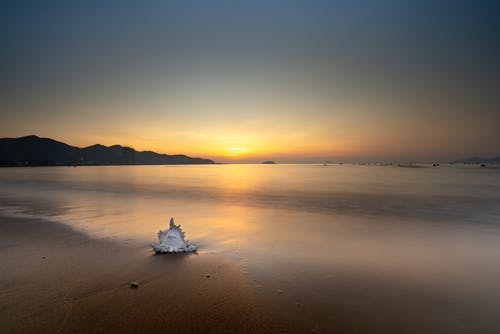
35	151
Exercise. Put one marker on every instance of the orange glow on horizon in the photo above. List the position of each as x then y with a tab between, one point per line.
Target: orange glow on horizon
265	133
235	151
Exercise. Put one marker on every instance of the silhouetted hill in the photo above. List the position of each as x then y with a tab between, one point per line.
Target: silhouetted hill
36	151
479	160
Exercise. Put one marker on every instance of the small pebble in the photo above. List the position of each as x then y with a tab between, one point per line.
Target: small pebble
134	285
207	275
279	291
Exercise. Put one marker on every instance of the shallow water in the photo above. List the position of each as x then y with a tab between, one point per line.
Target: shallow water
332	240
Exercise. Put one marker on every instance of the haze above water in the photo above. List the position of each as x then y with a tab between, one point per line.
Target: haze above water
325	236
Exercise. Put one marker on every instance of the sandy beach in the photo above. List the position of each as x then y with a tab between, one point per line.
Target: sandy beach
56	280
319	259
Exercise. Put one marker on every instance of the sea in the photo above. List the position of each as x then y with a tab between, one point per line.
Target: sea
329	234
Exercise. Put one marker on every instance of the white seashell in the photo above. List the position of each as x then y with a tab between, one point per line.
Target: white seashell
172	240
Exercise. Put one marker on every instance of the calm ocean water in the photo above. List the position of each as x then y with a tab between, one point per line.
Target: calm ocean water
222	206
425	229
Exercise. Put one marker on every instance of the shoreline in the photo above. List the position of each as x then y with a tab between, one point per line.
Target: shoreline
57	280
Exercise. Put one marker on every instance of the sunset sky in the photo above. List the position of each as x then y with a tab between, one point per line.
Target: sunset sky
292	81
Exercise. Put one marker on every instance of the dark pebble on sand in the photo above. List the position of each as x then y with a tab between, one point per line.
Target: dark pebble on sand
134	285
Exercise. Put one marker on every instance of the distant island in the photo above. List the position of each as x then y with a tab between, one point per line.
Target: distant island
35	151
479	160
269	162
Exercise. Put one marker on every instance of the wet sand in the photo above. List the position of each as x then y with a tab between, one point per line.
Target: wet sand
57	280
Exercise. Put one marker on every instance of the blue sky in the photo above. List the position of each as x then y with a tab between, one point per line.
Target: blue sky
245	80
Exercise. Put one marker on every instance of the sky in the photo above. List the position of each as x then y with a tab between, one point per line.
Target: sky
246	81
